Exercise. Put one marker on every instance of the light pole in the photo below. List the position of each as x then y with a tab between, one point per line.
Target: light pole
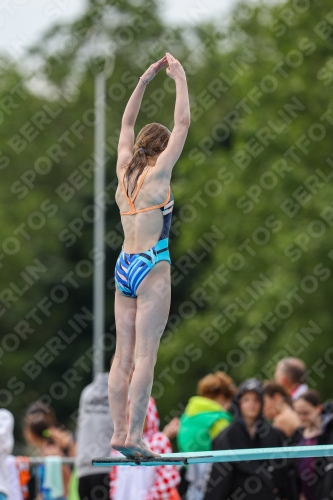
101	76
99	225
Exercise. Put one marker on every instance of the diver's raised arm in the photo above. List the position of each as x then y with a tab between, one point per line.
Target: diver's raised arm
182	120
134	103
126	137
182	104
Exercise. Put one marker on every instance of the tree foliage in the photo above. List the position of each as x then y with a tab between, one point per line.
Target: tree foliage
250	241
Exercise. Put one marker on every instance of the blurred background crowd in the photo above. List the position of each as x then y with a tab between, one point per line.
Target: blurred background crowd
220	416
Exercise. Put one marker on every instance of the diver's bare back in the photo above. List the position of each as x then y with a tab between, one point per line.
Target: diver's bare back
142	230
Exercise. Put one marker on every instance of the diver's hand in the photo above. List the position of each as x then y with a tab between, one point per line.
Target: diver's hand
153	69
175	69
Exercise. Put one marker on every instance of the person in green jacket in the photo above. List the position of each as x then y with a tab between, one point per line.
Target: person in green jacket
205	416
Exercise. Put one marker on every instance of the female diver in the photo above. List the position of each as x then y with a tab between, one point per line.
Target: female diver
142	273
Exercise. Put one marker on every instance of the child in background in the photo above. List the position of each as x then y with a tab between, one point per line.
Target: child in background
37	433
205	416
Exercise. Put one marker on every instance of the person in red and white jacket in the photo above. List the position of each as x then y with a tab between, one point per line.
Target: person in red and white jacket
146	483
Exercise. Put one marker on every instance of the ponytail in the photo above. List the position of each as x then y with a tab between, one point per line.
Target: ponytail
137	164
151	140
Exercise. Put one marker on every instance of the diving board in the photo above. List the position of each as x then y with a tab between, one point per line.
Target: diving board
220	456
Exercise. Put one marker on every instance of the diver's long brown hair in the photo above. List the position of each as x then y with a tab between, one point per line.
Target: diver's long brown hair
153	138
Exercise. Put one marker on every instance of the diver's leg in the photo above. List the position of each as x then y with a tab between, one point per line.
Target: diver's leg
153	306
125	314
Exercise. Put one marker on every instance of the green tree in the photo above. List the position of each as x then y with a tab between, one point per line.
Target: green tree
250	240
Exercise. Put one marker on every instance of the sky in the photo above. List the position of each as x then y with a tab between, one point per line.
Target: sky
22	22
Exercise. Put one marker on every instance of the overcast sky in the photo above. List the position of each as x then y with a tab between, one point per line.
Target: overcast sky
23	21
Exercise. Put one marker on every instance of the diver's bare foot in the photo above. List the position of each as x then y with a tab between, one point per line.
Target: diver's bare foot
118	443
138	447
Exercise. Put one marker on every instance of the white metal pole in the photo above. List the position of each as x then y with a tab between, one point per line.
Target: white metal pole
99	226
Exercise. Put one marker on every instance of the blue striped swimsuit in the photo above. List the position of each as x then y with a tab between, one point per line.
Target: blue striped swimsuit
132	268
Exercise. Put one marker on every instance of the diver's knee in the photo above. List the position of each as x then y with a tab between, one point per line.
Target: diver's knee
123	360
147	359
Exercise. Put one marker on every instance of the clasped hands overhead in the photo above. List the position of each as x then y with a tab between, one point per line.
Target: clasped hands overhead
173	68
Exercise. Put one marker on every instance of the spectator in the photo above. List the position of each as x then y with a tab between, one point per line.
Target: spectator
278	407
6	447
291	373
47	411
171	429
248	480
205	416
63	438
315	474
94	432
37	433
146	483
